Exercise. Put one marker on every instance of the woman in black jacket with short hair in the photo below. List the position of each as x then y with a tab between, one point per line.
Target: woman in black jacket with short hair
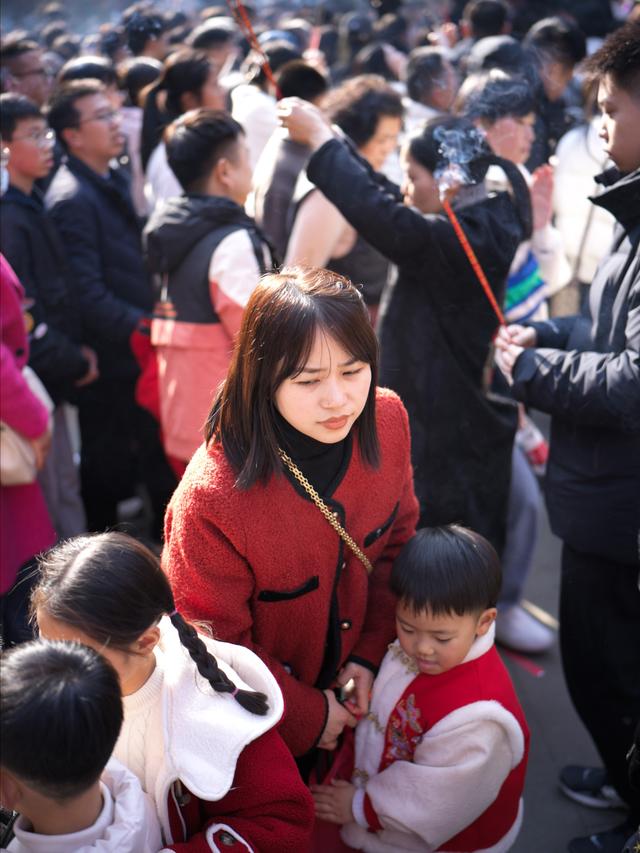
437	325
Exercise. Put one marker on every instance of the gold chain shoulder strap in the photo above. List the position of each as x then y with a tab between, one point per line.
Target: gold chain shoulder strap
324	509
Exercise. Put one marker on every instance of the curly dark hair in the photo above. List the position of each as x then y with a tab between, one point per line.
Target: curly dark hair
358	104
619	57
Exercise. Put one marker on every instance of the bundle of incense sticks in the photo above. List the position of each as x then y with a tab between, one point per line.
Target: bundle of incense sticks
473	260
243	21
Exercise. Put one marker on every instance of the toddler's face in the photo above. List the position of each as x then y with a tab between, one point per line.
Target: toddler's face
438	643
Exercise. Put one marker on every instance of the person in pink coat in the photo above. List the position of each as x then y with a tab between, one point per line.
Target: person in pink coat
25	526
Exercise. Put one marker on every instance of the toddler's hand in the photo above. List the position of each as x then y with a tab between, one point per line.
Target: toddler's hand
334	802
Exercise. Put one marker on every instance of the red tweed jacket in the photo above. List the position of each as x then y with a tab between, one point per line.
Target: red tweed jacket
265	568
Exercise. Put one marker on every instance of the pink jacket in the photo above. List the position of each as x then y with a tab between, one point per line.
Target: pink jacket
25	526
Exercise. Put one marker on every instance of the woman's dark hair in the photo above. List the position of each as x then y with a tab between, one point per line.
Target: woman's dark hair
447	570
136	74
196	141
372	60
454	140
425	71
486	17
111	588
89	68
358	104
110	41
556	38
298	79
280	322
185	71
60	716
493	95
13	109
141	26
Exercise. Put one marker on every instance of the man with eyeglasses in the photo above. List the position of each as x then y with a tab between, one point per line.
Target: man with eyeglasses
90	202
22	70
29	241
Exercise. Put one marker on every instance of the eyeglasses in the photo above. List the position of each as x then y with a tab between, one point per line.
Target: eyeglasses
106	116
41	138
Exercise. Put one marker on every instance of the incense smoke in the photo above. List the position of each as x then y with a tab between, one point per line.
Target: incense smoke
458	147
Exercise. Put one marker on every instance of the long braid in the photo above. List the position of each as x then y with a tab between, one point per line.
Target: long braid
208	668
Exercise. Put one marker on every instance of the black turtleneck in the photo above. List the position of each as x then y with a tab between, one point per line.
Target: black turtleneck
322	464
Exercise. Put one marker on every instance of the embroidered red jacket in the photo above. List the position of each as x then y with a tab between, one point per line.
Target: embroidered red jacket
441	759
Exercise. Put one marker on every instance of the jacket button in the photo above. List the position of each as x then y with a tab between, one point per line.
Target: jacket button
345	624
344	565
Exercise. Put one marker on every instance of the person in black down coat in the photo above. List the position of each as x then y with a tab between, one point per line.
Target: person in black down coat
90	204
436	325
585	371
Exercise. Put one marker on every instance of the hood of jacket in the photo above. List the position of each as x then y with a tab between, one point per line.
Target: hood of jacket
200	723
128	822
621	196
179	223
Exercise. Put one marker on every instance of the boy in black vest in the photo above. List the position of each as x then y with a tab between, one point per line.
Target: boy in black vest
209	256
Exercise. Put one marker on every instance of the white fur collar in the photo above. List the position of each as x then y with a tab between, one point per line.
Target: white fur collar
205	731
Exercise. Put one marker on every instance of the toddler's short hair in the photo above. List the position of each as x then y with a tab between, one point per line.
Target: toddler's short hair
447	570
60	716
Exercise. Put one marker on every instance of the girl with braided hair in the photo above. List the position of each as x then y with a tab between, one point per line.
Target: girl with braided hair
199	715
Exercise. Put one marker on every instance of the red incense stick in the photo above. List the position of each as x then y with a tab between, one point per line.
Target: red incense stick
475	263
242	19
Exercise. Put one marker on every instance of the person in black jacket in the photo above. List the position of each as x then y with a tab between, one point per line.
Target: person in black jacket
90	203
436	323
30	242
585	371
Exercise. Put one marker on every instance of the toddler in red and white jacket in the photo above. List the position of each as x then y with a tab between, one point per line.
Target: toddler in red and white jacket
440	758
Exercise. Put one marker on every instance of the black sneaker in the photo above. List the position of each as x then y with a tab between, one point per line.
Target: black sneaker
590	786
608	841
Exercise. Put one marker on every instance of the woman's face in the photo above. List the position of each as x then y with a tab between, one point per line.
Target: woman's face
328	395
511	137
419	187
133	668
212	95
376	150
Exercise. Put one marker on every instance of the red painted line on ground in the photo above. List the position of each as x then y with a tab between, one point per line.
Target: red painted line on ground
526	663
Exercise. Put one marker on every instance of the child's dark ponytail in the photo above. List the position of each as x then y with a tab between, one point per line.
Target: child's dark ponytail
208	667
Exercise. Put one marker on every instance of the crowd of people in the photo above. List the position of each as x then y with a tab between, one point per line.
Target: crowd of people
282	287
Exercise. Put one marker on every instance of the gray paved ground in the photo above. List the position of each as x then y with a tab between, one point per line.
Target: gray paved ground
557	735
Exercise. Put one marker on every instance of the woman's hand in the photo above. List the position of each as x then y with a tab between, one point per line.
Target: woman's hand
522	336
334	802
510	342
363	682
305	123
337	718
542	196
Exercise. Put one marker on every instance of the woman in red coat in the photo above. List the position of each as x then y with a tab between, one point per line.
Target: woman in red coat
248	550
